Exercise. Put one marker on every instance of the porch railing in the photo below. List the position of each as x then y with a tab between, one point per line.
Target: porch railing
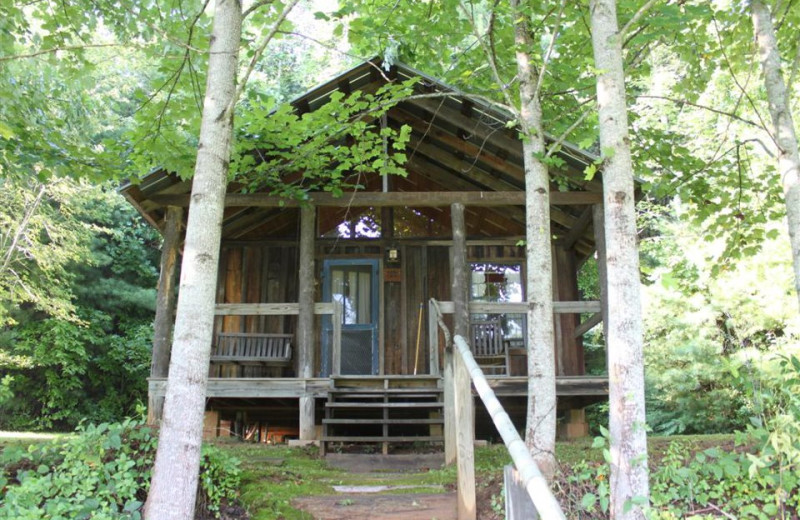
440	308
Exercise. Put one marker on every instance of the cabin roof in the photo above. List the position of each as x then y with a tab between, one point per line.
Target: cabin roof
458	143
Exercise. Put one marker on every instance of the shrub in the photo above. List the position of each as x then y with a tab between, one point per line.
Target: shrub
102	472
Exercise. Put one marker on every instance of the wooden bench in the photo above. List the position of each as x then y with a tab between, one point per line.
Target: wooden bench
253	348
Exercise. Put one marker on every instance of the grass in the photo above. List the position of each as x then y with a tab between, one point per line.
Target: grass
28	438
275	475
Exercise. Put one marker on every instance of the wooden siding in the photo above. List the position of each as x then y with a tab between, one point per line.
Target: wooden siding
264	273
256	274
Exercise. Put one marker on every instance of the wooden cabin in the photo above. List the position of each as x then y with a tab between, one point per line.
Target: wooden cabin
325	326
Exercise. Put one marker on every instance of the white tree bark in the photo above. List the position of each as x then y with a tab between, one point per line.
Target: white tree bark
628	438
540	431
174	483
784	134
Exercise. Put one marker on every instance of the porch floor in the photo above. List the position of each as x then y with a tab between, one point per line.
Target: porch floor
287	387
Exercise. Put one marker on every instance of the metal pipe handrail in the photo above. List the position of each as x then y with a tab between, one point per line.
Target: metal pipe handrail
533	480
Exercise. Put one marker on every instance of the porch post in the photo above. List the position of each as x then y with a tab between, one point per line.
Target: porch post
165	309
305	319
598	223
464	405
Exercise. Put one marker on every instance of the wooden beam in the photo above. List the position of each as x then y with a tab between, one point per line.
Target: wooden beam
573	307
578	230
598	218
165	308
589	324
305	319
484	135
380	199
268	309
465	439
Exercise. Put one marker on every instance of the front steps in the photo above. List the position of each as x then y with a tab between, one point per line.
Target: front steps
383	410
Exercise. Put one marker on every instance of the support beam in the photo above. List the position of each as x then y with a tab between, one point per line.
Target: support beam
305	318
463	404
165	308
598	218
396	199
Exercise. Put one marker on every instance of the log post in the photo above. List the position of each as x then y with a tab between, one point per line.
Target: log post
598	223
462	394
305	319
165	309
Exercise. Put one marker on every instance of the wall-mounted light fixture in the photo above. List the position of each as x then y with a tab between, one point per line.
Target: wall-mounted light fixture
392	255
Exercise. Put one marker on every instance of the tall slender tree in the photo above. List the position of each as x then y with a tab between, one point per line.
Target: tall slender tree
174	483
783	134
540	429
629	479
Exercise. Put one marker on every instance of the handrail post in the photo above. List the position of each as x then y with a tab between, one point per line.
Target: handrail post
537	486
465	437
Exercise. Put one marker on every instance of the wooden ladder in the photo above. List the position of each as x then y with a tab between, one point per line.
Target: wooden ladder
383	410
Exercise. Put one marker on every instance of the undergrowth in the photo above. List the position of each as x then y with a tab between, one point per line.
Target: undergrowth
102	472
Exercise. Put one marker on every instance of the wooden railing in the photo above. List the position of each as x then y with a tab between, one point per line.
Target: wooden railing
459	368
439	308
532	479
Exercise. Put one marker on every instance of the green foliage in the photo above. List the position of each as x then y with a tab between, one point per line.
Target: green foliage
330	145
702	332
220	478
78	300
100	472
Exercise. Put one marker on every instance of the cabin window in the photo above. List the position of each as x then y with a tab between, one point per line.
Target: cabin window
492	282
351	287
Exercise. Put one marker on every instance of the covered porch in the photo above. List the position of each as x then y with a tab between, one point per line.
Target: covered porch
312	291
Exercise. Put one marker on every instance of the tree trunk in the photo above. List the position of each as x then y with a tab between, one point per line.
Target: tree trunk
174	483
629	481
784	134
540	431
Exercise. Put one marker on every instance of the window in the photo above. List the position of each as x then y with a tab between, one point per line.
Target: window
493	282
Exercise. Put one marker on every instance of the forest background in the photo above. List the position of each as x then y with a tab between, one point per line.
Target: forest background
91	97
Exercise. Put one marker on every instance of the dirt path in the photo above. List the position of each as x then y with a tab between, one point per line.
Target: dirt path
383	502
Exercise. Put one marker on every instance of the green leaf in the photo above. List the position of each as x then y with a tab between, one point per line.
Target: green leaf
5	131
588	501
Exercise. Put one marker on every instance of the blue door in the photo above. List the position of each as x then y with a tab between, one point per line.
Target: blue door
354	284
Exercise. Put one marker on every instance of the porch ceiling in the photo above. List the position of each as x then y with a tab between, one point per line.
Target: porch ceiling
457	143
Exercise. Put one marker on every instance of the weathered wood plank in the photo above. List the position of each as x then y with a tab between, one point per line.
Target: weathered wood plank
465	439
305	321
268	309
589	324
576	307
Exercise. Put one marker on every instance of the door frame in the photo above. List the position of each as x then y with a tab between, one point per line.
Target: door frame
375	310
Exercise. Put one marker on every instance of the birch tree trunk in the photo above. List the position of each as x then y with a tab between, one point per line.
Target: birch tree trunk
629	479
174	483
784	134
540	430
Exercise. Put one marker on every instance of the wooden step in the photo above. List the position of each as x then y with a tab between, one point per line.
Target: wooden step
377	405
360	395
381	391
384	421
378	438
